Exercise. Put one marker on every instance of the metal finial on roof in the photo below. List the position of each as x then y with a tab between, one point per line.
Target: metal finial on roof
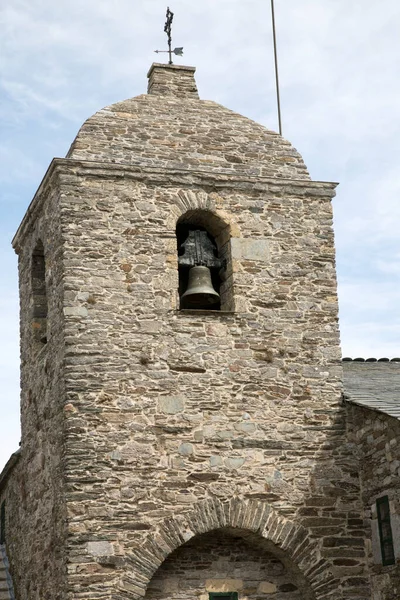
167	29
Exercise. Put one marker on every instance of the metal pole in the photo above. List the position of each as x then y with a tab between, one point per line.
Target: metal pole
276	68
167	29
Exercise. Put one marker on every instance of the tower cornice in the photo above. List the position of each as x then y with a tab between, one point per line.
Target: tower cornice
164	176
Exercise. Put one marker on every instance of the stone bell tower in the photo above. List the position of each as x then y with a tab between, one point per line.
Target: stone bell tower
183	429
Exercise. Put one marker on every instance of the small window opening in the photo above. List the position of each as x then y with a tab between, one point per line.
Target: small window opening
223	596
385	531
3	522
39	295
204	262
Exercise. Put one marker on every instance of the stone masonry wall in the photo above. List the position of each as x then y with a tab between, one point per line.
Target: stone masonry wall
218	562
378	438
170	128
166	409
34	491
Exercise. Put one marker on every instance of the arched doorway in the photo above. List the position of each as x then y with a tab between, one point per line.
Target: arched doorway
225	564
258	524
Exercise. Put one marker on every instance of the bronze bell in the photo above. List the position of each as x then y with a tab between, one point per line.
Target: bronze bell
200	291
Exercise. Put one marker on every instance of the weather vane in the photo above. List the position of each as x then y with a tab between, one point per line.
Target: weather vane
167	29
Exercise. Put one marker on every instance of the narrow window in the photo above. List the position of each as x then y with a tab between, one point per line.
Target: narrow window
385	531
39	295
223	596
3	522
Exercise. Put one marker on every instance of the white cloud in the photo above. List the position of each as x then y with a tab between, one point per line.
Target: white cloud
371	339
17	164
370	318
390	266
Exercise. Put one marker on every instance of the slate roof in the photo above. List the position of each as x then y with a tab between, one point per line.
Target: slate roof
374	385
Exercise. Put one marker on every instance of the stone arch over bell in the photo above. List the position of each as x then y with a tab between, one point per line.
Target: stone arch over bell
257	523
207	208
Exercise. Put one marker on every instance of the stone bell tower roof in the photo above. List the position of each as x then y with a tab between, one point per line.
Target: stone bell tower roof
170	127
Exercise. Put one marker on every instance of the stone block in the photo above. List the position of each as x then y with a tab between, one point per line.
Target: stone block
224	585
186	449
234	463
266	587
250	249
171	405
216	461
100	548
246	427
75	311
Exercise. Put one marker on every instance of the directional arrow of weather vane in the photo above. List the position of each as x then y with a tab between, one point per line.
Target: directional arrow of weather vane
167	29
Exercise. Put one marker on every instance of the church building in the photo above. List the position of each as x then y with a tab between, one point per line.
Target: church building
189	428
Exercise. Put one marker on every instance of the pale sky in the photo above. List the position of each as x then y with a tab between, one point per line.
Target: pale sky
340	90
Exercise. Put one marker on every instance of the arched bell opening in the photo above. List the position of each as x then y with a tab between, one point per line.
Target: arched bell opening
204	262
228	564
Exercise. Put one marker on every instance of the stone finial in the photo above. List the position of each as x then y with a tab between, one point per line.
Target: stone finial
172	80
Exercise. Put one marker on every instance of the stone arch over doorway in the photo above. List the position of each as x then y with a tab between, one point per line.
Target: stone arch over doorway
257	522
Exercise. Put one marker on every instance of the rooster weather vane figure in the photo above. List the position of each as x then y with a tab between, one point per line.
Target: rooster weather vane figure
167	29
